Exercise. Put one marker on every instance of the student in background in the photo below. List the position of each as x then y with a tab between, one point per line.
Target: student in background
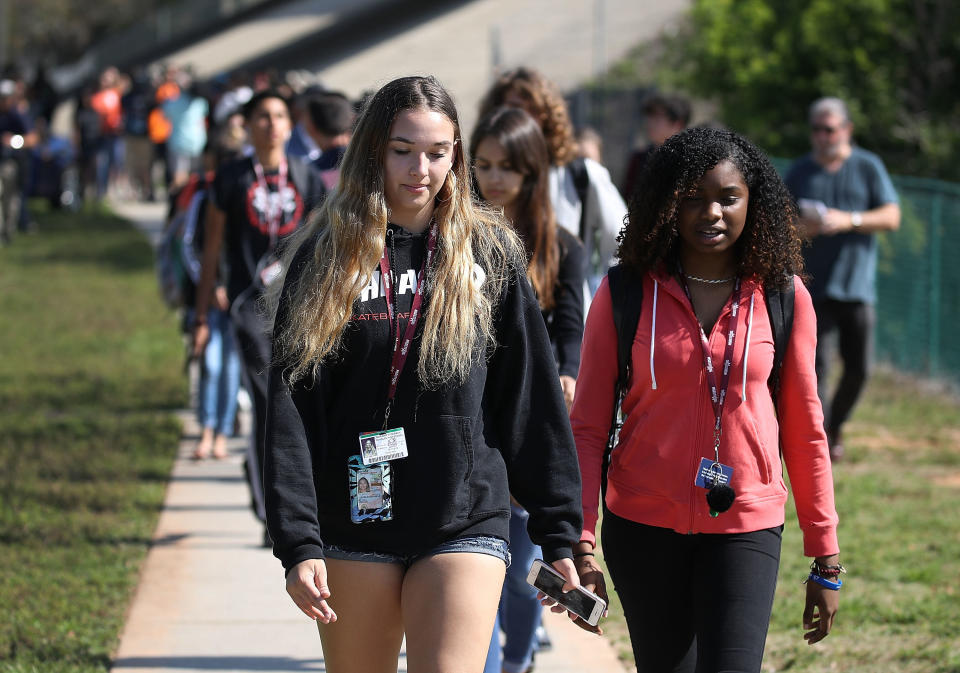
511	165
256	203
220	367
585	201
663	116
329	121
846	198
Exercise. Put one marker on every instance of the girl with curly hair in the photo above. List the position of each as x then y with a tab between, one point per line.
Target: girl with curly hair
585	200
406	318
713	226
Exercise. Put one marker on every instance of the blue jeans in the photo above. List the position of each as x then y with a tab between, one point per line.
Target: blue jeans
469	544
519	613
109	160
219	376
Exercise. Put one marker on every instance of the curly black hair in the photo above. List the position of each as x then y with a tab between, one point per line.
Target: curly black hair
769	247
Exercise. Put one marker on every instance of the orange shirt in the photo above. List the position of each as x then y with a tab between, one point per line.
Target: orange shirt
106	102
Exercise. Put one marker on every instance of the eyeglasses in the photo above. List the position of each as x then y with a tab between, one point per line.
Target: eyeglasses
829	130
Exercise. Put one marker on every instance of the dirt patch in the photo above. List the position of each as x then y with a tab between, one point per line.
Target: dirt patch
950	480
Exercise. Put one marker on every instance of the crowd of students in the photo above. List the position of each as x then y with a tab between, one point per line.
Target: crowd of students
138	134
437	353
432	415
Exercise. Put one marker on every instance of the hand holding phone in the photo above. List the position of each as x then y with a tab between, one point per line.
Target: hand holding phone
581	602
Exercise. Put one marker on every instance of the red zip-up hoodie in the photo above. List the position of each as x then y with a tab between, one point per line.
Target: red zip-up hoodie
669	418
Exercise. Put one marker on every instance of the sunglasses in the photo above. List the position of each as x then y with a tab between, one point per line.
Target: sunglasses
830	130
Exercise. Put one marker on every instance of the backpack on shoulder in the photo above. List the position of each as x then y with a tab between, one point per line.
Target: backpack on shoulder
626	298
178	253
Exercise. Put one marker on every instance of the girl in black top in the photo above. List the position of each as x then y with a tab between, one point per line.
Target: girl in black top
510	169
406	317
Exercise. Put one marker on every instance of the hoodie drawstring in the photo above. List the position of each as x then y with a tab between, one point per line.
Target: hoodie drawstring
746	349
653	334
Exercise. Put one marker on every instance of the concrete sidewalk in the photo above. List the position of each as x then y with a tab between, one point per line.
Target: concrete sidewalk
210	598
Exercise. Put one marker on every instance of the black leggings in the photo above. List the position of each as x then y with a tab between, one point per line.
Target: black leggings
693	602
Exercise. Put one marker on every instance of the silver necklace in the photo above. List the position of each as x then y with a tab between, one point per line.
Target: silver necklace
710	281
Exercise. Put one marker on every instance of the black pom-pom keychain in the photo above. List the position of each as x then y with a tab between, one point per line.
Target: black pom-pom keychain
720	497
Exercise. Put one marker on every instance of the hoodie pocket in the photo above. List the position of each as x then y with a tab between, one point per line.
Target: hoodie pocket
434	486
642	463
762	454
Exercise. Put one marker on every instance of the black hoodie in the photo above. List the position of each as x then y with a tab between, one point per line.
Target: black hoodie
507	421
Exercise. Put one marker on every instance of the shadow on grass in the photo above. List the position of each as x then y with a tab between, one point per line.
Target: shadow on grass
125	257
69	393
220	479
207	508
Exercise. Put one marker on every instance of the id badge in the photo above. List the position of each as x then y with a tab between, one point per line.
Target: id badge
270	273
371	491
382	447
712	473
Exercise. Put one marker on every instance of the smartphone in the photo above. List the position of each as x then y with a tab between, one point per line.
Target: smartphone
812	208
581	602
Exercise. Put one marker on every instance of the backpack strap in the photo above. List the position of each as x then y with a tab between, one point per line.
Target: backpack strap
626	301
780	309
581	182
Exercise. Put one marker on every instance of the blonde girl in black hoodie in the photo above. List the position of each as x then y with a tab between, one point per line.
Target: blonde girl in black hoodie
406	317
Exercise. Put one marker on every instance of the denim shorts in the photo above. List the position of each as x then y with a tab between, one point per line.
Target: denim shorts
473	544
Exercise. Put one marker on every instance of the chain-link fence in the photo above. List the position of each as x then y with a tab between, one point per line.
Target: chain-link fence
918	309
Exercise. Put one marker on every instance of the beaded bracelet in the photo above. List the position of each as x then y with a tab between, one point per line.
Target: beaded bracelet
824	582
827	571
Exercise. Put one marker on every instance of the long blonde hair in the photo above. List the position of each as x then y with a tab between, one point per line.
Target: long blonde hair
348	234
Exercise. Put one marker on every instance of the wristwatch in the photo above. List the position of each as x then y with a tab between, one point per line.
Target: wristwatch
856	219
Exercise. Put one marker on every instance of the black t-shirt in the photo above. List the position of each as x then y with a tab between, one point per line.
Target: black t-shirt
247	243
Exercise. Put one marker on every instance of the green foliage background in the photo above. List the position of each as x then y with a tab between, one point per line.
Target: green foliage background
764	61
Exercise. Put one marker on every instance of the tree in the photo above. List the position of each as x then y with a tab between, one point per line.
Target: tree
893	61
59	31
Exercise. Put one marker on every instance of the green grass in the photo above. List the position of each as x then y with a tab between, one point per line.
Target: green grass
898	496
89	359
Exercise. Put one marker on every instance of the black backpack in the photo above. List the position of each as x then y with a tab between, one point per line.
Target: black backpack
626	298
